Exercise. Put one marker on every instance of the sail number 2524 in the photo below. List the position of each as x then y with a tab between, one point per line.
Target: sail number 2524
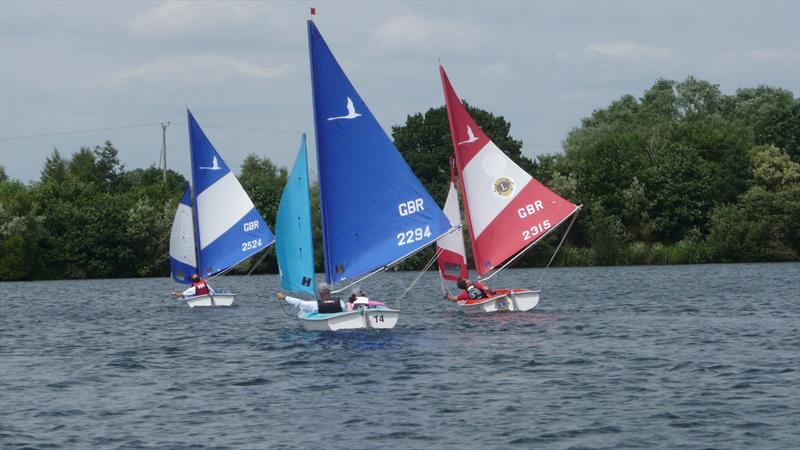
407	237
250	245
536	230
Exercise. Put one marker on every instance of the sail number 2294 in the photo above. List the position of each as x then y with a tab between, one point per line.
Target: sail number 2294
535	230
407	237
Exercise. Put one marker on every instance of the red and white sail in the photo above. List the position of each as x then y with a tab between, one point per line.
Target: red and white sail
507	209
452	256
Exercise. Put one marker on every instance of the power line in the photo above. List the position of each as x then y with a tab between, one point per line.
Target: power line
79	131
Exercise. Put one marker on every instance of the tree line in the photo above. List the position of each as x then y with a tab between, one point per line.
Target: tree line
683	174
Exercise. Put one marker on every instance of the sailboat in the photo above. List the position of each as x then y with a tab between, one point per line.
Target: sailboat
375	212
216	225
508	211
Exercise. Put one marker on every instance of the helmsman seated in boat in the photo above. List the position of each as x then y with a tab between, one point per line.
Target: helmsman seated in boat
199	287
325	304
471	291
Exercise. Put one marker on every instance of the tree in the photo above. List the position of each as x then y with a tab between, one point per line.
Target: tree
425	143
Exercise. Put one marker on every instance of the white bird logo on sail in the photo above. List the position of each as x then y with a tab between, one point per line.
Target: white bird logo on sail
214	165
471	135
351	111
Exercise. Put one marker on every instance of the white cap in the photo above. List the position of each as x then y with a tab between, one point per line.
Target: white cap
361	301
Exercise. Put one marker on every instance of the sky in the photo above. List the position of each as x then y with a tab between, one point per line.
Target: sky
76	74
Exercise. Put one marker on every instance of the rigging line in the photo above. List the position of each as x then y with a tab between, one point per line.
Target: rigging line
574	216
142	125
422	272
441	281
381	269
283	307
263	255
541	239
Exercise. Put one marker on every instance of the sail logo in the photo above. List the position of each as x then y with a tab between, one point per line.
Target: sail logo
214	165
306	281
470	137
503	187
351	112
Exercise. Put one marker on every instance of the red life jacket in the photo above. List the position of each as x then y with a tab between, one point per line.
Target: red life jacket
200	287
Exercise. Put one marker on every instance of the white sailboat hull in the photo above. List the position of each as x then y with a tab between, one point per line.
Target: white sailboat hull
507	301
210	300
374	318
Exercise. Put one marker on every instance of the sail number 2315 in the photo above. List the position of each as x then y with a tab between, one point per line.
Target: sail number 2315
407	237
536	230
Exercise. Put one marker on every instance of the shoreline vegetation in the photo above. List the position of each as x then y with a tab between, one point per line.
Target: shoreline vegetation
681	175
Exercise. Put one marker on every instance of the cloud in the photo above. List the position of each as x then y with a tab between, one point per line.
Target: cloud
413	31
200	69
629	51
176	18
773	56
496	72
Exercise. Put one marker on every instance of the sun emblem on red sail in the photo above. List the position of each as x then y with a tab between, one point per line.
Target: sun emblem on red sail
504	187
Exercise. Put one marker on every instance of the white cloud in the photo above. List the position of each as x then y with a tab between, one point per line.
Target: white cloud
414	31
183	18
200	69
496	72
774	56
629	51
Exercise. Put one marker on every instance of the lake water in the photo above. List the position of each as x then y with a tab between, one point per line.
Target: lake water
704	356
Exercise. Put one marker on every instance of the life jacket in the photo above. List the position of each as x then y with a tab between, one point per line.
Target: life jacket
200	287
475	292
329	306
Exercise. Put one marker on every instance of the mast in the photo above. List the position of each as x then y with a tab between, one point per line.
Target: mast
454	139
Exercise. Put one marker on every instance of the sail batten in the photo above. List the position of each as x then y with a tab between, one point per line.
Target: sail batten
374	210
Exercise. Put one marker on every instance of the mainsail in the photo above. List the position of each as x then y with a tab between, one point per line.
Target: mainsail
507	209
182	255
374	209
452	256
229	227
293	245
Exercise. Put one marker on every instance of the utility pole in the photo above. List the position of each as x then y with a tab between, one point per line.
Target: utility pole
164	126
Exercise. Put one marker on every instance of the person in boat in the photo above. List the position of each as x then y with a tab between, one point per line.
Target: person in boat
325	303
358	300
471	291
199	287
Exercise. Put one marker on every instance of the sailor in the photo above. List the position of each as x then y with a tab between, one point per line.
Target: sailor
471	291
325	304
199	287
359	300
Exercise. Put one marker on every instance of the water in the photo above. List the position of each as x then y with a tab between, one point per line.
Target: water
680	357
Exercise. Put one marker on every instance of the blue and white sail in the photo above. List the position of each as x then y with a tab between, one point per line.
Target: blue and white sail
229	227
375	211
293	244
182	255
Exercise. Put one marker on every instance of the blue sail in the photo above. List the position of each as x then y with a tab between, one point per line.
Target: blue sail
293	245
374	209
229	227
182	254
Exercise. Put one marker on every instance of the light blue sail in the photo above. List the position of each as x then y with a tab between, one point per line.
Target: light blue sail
182	254
374	209
293	245
229	227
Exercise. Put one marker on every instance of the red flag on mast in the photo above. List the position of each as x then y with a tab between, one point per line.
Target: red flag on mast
313	11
